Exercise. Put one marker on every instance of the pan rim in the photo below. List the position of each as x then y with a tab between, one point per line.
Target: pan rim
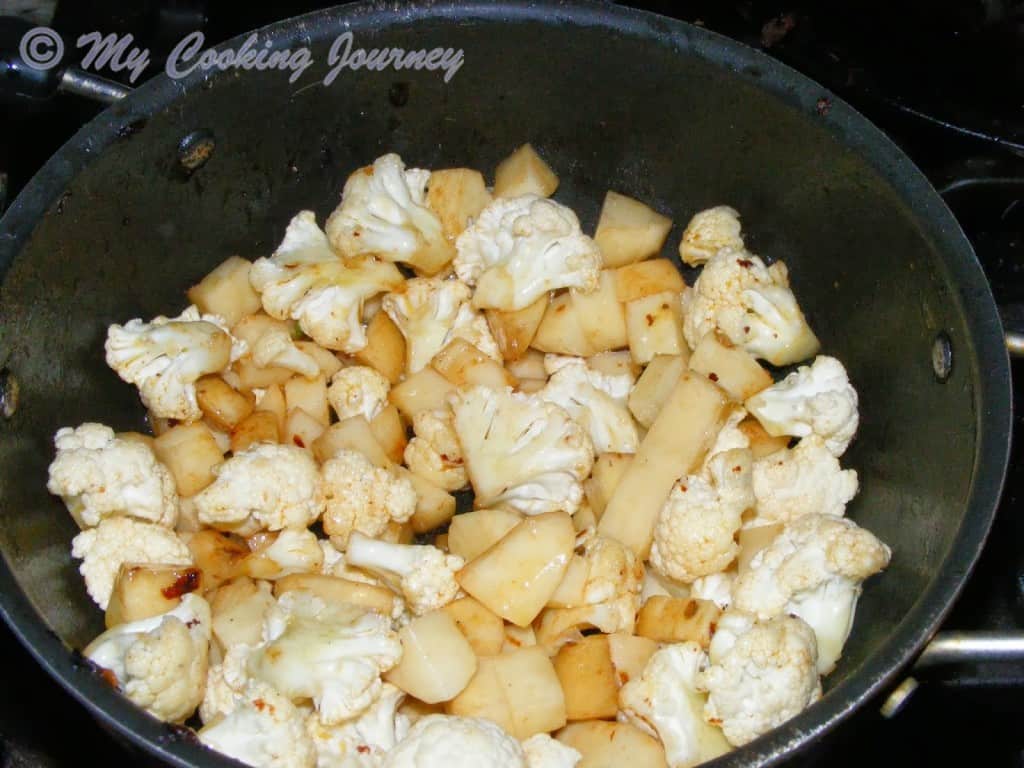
992	389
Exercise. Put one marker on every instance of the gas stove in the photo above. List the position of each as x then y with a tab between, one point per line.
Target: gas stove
942	79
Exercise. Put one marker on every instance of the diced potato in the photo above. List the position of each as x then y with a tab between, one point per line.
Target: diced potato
351	434
441	541
601	316
188	516
604	479
588	679
437	660
524	173
529	366
615	363
273	402
514	330
398	533
252	327
529	386
584	518
518	637
251	376
646	278
385	348
326	360
465	366
301	429
310	395
223	439
732	368
473	533
226	291
484	630
753	540
389	431
605	744
761	443
676	620
655	326
220	556
629	655
157	424
434	505
571	588
674	445
560	331
628	230
222	407
334	589
654	386
136	437
425	390
238	608
484	696
414	709
142	591
190	452
456	195
257	427
517	576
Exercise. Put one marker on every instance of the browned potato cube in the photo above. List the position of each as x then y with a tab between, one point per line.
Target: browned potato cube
588	680
351	434
310	395
437	660
425	390
465	366
273	402
484	696
220	556
484	630
142	591
761	443
251	376
605	744
252	327
335	589
676	620
753	540
456	195
222	407
434	505
629	654
524	173
654	386
615	363
646	278
302	429
238	608
473	533
191	453
518	637
601	315
389	430
514	330
604	479
137	437
655	326
732	368
560	331
257	427
326	360
528	366
226	291
628	231
385	348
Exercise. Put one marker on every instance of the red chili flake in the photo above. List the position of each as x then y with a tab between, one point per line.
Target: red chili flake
191	623
746	329
713	376
623	677
737	469
362	749
109	677
664	306
745	263
561	308
649	319
824	106
187	582
712	627
682	488
260	704
690	609
298	441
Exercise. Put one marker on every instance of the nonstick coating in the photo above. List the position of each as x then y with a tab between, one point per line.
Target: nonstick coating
114	227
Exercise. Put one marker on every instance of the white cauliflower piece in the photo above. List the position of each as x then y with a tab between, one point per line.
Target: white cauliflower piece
519	248
520	451
730	437
358	391
761	674
666	703
362	741
803	480
592	398
383	212
752	305
165	356
99	475
361	497
813	569
435	452
694	533
708	232
426	574
306	280
716	587
119	540
277	348
542	751
447	741
266	486
335	564
813	400
430	312
294	550
160	663
332	653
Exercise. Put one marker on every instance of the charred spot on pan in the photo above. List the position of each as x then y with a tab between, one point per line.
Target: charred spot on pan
398	94
823	106
63	201
194	151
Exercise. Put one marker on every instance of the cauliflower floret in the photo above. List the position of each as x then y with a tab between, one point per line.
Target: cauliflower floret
813	569
593	399
520	451
266	486
293	550
277	348
361	497
456	742
307	281
761	674
694	533
435	452
730	437
426	574
708	232
542	751
801	481
752	305
332	653
383	212
98	475
118	540
362	741
716	587
666	703
431	312
519	248
264	730
813	400
358	391
160	662
335	564
165	356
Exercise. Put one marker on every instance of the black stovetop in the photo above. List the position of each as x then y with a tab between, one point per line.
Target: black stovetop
945	80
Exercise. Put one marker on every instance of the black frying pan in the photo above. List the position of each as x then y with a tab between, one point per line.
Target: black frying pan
116	226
